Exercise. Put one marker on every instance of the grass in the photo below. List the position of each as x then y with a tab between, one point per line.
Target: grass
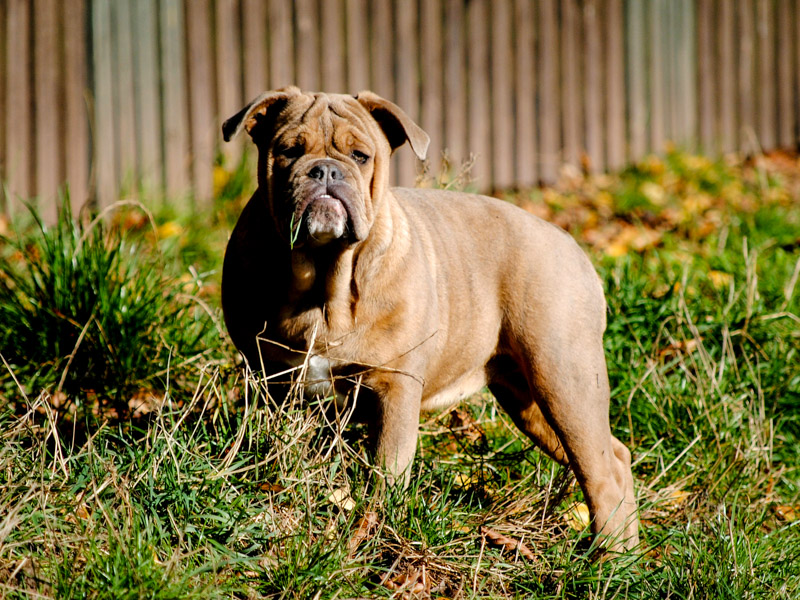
210	488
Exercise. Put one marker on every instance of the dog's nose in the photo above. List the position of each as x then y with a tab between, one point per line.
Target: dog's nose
325	172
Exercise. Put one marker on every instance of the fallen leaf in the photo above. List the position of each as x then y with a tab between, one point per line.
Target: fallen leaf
506	542
271	487
462	423
365	528
169	229
578	517
720	279
654	192
680	347
412	581
341	498
675	499
788	513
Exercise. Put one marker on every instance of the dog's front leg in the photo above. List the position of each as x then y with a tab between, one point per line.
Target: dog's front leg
395	428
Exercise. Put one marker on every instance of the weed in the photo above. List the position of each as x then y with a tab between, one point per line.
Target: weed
87	311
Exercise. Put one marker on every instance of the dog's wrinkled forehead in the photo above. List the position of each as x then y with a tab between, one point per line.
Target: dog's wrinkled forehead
324	122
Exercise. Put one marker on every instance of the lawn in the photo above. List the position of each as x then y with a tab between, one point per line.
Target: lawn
140	460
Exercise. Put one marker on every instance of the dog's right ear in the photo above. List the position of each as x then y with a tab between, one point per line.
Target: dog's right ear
251	115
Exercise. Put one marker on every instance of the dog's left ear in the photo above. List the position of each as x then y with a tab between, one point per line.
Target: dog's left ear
248	118
396	124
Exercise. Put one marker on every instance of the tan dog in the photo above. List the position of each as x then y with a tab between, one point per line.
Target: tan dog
429	295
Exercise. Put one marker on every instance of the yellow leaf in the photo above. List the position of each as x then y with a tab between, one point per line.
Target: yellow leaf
341	498
676	498
654	192
578	516
170	229
788	513
81	511
720	279
221	178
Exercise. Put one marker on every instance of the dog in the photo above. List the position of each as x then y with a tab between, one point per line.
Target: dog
427	295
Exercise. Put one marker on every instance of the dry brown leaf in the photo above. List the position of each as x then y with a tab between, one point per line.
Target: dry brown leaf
366	526
680	347
412	581
787	512
271	487
462	423
506	542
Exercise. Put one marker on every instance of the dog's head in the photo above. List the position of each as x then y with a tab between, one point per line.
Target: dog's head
324	159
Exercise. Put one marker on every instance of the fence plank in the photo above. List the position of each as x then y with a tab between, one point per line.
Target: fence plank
527	173
307	44
672	83
104	142
254	49
548	115
572	88
766	72
594	105
281	46
357	45
174	102
47	80
229	72
147	95
431	56
125	114
382	55
615	76
747	76
707	114
726	69
407	86
19	102
76	116
333	43
686	66
479	124
658	106
636	35
455	83
502	76
786	115
381	48
3	59
201	88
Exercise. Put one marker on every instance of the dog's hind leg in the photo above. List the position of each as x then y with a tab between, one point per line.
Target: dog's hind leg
574	396
564	410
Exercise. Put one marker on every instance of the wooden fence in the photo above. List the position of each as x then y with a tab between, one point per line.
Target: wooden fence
115	96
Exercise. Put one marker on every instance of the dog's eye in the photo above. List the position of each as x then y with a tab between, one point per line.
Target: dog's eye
295	151
359	157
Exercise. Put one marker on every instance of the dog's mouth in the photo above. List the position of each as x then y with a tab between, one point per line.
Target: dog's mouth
321	219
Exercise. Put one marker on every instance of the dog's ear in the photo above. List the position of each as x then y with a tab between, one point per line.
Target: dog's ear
252	114
396	124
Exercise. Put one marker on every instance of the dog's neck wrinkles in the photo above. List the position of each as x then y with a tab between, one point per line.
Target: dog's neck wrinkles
341	276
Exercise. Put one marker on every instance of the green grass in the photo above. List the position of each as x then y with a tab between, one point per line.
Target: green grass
213	489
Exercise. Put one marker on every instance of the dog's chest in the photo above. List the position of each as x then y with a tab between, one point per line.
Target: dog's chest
316	375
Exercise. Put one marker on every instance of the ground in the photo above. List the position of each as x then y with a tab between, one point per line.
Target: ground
140	460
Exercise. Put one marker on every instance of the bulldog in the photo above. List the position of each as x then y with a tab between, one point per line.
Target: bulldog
418	297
